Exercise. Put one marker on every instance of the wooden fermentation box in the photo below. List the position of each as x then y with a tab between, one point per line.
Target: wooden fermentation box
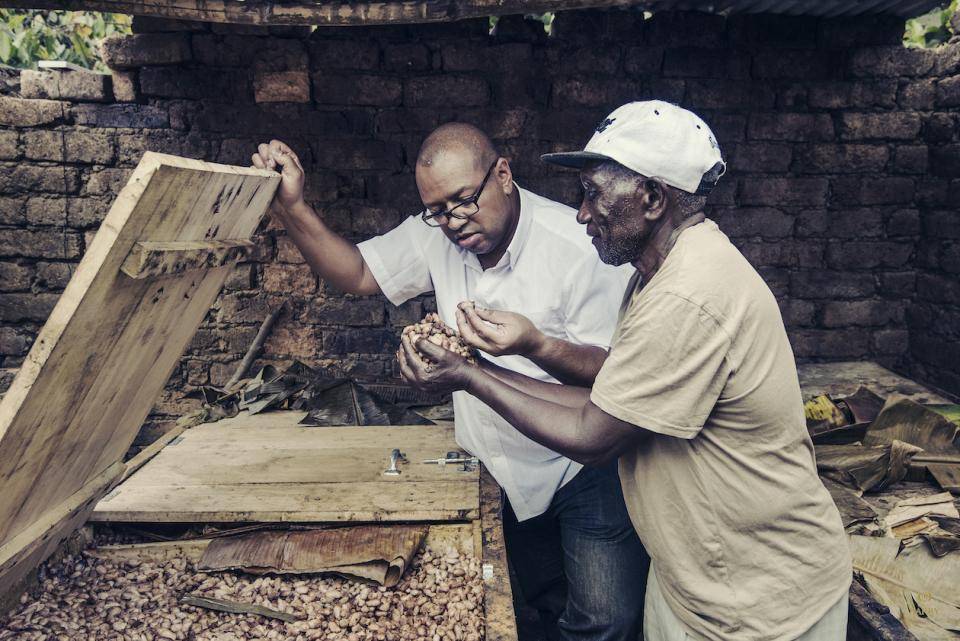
100	362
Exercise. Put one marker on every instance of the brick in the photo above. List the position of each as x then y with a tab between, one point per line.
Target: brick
46	211
359	154
817	284
898	284
891	341
895	126
950	258
840	159
675	28
783	191
85	146
22	112
801	64
13	343
343	54
357	89
728	128
941	289
282	86
856	94
733	94
106	181
287	251
54	275
294	342
910	159
446	90
408	313
938	127
463	56
360	341
127	115
643	61
945	160
593	92
758	221
14	277
782	254
243	277
224	85
12	211
130	52
857	31
917	94
797	313
830	343
46	243
904	222
66	84
9	145
872	191
407	56
862	313
131	147
941	224
87	213
790	126
240	308
499	124
890	61
237	339
28	178
868	254
692	62
27	307
350	312
126	86
594	59
296	280
948	92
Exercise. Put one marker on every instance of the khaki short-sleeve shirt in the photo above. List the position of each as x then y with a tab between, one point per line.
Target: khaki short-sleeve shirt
746	541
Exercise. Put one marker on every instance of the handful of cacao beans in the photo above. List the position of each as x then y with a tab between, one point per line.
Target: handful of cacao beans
439	333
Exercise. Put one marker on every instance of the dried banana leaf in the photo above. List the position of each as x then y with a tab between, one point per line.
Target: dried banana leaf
865	468
375	553
920	589
863	406
904	420
823	414
347	403
853	509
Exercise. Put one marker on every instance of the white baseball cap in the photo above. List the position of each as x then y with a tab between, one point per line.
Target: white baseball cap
658	140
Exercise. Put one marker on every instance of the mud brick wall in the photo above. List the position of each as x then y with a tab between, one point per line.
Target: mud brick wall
842	148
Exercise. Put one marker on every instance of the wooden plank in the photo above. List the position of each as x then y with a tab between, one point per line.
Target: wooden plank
946	475
844	378
501	620
149	259
324	13
266	468
111	342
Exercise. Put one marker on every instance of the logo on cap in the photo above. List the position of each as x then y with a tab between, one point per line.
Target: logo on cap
603	125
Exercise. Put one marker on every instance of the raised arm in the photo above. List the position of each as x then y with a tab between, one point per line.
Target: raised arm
500	332
330	256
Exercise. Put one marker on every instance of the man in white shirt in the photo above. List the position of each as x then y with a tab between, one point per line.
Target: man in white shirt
482	238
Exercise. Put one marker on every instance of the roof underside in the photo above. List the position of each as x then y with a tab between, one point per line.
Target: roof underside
342	12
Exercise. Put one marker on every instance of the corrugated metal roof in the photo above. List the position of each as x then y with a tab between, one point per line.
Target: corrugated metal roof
824	8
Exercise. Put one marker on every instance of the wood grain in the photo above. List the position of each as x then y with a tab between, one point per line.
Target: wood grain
149	259
111	342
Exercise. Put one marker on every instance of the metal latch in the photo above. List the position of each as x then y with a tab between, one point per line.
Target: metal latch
395	457
466	463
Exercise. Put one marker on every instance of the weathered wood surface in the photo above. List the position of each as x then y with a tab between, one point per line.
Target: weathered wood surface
149	259
109	345
501	620
324	13
265	468
844	378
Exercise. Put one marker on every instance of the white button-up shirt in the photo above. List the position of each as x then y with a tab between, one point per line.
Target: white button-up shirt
551	274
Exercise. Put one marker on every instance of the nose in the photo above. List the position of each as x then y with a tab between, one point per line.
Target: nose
583	216
455	224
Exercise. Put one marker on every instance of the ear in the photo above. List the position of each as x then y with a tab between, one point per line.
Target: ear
503	175
653	198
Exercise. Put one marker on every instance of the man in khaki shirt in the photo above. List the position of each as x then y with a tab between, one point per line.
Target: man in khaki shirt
698	397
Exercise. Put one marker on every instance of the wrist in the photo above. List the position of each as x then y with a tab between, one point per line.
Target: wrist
539	345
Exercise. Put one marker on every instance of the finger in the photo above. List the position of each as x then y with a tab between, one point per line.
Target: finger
467	334
494	316
480	327
264	151
435	352
257	161
410	354
406	372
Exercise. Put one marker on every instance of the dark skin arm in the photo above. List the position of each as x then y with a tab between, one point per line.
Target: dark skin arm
500	332
574	427
566	395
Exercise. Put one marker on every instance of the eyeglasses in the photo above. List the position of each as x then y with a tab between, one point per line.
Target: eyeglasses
462	210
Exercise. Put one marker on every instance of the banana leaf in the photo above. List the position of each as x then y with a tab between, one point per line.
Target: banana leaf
904	420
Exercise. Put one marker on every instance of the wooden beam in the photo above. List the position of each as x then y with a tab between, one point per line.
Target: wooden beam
322	13
501	621
149	259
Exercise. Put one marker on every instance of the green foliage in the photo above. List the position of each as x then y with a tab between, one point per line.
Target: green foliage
931	29
27	36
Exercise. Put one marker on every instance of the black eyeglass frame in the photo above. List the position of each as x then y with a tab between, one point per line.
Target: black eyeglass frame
429	218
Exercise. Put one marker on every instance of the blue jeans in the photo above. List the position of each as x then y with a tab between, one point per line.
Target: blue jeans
581	564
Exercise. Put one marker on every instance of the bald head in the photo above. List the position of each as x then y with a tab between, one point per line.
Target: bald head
461	139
